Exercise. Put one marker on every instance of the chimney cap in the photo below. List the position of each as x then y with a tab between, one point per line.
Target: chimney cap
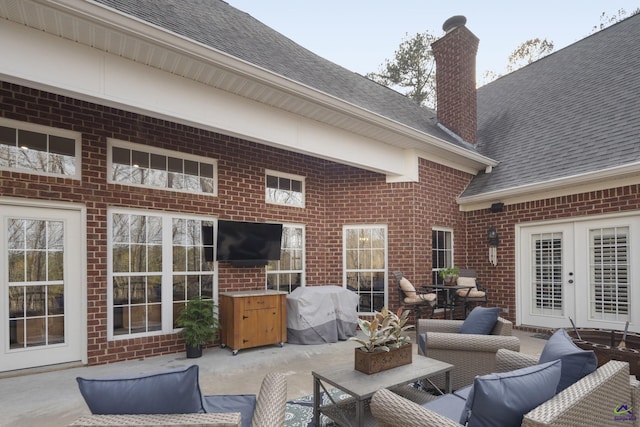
454	22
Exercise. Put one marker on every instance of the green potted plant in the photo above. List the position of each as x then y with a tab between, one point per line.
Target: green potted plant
449	275
199	325
384	334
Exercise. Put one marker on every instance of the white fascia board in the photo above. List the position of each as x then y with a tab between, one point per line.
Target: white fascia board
61	66
582	183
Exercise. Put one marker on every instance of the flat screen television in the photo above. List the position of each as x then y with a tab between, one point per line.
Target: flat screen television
248	243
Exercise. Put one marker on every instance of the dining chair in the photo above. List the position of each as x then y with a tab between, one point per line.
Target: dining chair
410	299
470	297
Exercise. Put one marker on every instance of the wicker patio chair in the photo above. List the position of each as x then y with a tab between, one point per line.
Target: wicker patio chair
588	402
470	354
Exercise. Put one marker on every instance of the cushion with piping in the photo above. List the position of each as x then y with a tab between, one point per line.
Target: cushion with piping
407	287
447	405
576	362
420	298
480	321
503	399
171	392
469	293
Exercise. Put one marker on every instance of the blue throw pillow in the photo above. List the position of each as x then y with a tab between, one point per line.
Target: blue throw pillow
480	321
503	399
170	392
576	362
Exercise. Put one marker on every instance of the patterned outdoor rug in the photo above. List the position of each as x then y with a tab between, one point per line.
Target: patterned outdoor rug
299	412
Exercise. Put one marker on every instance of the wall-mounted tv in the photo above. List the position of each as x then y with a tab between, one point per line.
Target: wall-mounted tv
248	243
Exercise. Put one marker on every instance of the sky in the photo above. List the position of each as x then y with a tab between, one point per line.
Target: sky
361	34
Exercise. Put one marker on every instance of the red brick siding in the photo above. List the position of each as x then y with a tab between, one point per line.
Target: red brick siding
335	195
501	279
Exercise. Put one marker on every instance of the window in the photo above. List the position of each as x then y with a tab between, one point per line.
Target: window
288	273
365	265
134	164
157	265
284	189
442	252
38	149
609	269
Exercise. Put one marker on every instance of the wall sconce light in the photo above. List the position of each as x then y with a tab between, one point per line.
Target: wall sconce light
494	241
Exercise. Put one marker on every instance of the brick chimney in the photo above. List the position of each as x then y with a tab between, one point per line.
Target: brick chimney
455	55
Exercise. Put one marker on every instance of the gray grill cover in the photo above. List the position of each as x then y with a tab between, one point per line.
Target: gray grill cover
321	314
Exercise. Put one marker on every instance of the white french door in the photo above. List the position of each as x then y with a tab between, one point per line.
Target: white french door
41	272
581	271
546	276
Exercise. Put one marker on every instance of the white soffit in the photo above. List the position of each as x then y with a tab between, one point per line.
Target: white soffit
379	143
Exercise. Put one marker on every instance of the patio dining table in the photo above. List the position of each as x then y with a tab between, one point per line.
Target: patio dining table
450	293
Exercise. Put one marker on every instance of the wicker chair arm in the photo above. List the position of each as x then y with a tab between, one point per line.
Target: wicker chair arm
509	360
271	402
588	402
391	410
438	325
471	342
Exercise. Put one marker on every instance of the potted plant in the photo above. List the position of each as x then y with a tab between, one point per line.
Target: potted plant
449	275
199	325
385	345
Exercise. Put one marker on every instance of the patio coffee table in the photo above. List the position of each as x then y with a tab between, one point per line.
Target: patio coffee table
362	386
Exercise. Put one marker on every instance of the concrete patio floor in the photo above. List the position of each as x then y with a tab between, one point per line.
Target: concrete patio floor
52	398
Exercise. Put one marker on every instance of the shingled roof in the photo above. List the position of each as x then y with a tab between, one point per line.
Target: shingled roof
573	112
220	26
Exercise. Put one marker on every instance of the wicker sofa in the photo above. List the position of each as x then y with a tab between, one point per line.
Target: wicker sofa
470	354
591	401
173	397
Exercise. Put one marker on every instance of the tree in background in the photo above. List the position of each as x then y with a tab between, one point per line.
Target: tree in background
528	52
412	70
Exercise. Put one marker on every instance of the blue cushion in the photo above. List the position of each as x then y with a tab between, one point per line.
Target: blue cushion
576	362
243	403
449	405
480	321
503	399
422	342
170	392
464	392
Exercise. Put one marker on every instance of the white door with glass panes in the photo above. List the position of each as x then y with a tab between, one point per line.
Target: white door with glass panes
41	320
580	272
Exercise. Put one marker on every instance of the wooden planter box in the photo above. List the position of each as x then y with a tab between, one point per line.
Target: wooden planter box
370	363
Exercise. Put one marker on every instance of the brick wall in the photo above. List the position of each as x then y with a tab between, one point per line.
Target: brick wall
335	195
501	279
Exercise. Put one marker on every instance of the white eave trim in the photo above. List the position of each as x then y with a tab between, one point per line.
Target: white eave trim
468	160
592	181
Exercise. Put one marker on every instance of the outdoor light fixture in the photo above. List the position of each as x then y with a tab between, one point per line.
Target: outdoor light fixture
494	240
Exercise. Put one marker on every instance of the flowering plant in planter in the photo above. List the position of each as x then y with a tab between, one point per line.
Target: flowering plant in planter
385	331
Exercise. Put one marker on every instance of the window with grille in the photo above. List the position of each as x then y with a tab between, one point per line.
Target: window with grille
158	263
365	265
39	150
145	166
287	273
609	273
441	252
547	274
284	189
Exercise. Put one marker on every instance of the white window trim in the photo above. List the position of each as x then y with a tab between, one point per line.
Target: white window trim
76	136
111	142
303	275
300	178
386	255
167	271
